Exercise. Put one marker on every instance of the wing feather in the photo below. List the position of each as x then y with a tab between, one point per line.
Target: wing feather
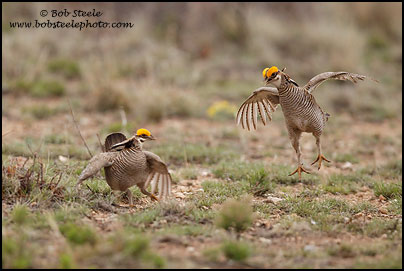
320	78
262	102
255	116
161	178
104	159
263	116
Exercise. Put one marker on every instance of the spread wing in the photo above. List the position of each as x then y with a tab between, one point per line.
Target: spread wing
159	177
318	79
263	101
104	159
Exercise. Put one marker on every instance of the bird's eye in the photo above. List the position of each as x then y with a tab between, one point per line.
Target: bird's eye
144	135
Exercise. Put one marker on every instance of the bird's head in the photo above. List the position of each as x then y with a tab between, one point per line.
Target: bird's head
143	135
272	76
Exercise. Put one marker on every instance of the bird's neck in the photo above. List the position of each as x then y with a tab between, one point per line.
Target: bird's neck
287	85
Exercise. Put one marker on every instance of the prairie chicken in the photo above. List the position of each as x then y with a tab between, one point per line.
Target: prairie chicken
126	164
300	109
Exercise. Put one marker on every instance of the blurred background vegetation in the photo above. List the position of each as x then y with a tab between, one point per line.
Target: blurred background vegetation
182	72
196	60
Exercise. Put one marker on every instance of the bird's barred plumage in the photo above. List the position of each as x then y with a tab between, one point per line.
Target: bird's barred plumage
298	101
127	164
299	107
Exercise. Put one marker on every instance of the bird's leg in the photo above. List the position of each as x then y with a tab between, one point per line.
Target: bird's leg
130	197
320	157
117	195
295	143
147	193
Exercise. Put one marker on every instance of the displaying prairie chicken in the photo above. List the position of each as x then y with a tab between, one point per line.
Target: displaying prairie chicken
126	164
300	109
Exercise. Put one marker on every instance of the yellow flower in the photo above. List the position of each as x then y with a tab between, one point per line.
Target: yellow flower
223	108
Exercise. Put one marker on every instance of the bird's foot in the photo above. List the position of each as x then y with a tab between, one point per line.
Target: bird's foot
320	158
299	171
153	197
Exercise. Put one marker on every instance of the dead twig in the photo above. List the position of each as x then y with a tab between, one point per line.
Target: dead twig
99	141
6	133
91	189
78	129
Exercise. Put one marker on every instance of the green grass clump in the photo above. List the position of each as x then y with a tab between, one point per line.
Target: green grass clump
235	215
137	245
377	227
78	234
240	171
341	184
116	127
189	173
218	192
346	157
389	261
343	250
393	169
51	88
145	217
20	215
68	68
66	261
15	253
57	139
260	183
21	86
396	206
326	215
388	190
39	111
110	98
187	230
237	251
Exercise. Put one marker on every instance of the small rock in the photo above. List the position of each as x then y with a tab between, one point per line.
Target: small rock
205	173
313	222
369	216
382	198
310	248
347	165
358	215
265	240
273	200
346	219
63	159
180	195
383	211
190	249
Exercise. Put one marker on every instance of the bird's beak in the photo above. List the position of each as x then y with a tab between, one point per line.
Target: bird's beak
151	137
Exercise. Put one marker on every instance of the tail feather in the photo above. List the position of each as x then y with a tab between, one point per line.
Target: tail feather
113	139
